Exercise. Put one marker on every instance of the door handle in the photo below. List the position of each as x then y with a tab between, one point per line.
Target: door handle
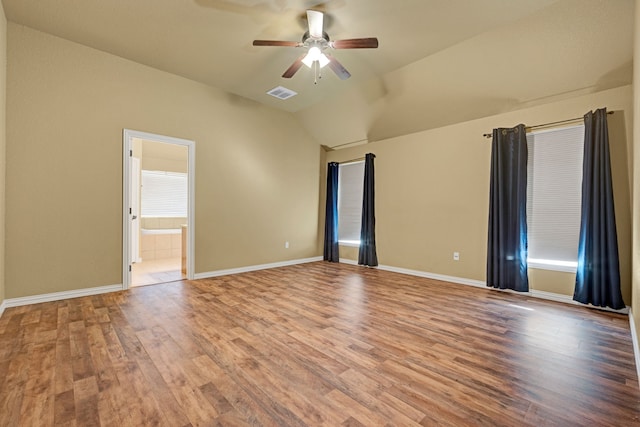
134	217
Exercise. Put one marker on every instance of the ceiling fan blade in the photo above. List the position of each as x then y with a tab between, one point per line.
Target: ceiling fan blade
337	68
315	20
365	43
293	68
276	43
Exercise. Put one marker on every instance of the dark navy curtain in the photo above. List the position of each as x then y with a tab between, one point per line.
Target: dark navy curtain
598	274
331	215
367	254
507	242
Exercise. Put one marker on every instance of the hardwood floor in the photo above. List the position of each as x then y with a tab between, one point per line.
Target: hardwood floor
315	344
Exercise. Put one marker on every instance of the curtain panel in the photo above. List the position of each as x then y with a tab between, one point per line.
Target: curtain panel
367	253
598	274
331	249
507	237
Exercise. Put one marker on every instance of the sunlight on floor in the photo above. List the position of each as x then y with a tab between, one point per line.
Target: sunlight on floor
156	271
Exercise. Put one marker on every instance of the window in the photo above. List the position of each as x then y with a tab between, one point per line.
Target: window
554	196
350	188
164	194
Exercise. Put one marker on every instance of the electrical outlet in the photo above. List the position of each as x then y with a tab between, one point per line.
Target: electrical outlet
286	245
456	256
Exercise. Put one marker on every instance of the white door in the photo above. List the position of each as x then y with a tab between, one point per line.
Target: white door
134	217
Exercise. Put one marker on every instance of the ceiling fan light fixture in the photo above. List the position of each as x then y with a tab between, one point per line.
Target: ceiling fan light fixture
323	60
317	41
315	54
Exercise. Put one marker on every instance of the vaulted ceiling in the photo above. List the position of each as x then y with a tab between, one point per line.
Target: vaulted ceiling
438	63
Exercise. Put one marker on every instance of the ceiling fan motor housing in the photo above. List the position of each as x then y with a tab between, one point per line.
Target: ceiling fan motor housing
309	41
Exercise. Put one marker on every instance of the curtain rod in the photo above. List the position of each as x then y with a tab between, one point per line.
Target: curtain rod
560	122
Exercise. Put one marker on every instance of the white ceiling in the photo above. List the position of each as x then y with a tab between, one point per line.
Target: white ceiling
439	62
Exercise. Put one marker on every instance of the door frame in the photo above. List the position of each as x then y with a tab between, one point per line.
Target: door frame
127	153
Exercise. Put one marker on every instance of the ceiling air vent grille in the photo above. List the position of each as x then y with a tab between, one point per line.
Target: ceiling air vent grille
282	92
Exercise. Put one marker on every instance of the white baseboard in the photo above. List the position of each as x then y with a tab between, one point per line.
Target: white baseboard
567	299
57	296
254	268
634	339
442	277
425	274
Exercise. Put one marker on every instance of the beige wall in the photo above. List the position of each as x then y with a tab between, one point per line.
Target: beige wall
432	191
635	302
256	169
3	136
158	156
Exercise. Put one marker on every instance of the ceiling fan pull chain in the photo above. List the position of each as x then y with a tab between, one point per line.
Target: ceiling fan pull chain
315	72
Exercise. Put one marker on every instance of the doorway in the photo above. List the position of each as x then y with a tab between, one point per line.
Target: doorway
158	201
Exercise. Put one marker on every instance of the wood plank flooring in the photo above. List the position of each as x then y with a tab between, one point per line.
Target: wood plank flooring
315	345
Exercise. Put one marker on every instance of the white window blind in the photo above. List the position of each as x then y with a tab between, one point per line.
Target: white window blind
164	194
554	196
350	190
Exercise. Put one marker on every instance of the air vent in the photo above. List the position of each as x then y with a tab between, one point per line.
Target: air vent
282	92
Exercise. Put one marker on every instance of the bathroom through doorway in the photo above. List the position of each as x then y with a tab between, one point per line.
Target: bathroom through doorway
158	231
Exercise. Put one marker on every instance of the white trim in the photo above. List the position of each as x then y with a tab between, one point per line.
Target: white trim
255	268
452	279
551	296
352	162
634	339
57	296
127	136
567	299
553	267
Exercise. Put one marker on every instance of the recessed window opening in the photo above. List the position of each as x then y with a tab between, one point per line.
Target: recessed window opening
350	190
554	197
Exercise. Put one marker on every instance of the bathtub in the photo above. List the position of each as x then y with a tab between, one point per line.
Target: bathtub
160	243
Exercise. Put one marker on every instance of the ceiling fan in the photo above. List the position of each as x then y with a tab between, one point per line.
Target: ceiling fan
316	41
